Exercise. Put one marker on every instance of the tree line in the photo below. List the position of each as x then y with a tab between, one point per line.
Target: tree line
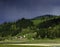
47	29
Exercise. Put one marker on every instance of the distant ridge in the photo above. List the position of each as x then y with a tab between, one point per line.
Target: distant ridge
45	16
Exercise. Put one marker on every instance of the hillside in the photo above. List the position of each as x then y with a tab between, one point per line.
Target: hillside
40	19
46	26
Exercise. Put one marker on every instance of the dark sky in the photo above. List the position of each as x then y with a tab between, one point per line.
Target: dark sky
11	10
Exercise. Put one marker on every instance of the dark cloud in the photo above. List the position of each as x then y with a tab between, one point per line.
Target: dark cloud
11	10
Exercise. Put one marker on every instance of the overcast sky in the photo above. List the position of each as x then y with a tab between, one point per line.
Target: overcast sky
12	10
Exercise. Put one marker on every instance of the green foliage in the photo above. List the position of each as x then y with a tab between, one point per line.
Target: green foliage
47	26
24	23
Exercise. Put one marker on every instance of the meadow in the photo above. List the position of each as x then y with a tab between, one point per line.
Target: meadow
4	45
31	41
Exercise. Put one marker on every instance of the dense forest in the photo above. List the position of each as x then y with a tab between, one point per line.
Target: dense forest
46	26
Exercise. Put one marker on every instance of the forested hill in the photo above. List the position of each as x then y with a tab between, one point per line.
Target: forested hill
46	26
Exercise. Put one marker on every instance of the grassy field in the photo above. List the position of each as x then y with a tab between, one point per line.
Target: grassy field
31	41
3	45
45	41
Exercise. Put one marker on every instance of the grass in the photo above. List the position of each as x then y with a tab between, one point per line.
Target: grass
31	41
45	41
26	41
4	45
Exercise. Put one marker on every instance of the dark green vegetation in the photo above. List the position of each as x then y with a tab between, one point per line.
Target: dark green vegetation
47	26
19	46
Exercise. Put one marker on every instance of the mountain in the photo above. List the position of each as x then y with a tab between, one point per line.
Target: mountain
46	25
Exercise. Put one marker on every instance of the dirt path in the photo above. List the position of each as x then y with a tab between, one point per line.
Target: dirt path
37	44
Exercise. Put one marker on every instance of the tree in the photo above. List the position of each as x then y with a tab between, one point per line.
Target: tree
24	23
